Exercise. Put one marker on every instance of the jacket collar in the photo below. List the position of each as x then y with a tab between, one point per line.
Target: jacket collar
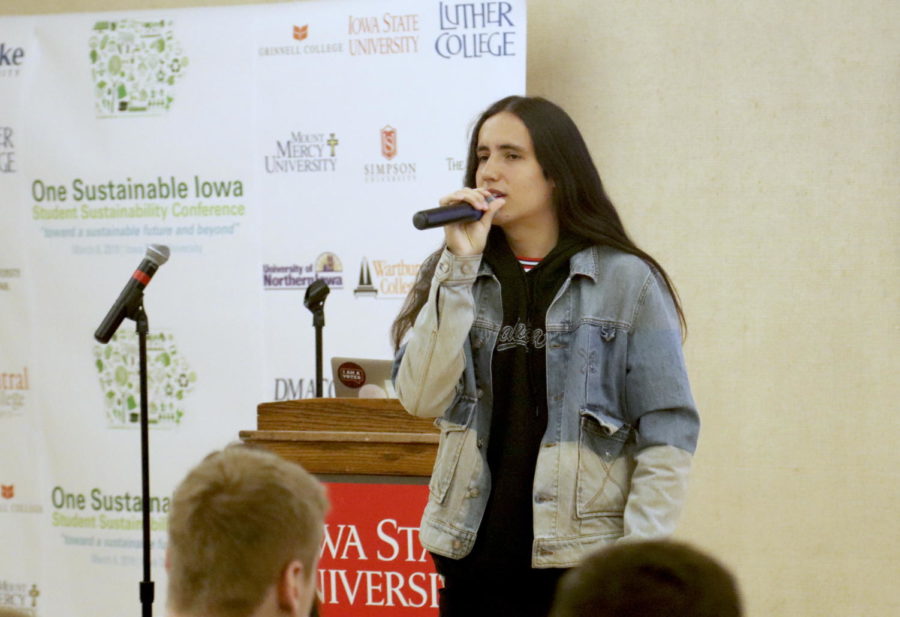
585	262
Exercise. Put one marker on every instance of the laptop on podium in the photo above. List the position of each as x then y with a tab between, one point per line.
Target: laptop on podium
362	378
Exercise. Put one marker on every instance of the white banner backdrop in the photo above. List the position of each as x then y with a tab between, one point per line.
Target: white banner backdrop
267	146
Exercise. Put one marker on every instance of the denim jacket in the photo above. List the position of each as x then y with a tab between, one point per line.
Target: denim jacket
622	424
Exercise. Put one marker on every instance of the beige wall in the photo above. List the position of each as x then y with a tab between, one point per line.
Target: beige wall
754	148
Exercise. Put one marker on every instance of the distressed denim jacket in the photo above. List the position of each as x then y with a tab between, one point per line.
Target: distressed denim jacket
622	424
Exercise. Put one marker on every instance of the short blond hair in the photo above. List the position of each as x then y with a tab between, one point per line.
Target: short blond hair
236	521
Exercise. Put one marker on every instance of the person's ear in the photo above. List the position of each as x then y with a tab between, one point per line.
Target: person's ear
290	587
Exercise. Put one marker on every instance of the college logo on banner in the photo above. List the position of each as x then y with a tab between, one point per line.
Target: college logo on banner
10	503
475	30
392	279
386	34
8	273
327	267
14	388
11	59
169	380
301	33
393	171
389	142
20	596
290	389
455	164
7	150
135	65
365	288
5	275
304	152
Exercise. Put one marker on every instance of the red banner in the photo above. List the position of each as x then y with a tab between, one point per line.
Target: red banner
372	563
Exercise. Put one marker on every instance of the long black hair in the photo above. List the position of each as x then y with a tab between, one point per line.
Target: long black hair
582	206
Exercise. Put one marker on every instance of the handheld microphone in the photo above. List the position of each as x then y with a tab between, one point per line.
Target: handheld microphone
157	255
454	213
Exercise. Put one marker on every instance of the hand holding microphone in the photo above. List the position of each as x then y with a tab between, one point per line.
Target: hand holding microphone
466	216
444	215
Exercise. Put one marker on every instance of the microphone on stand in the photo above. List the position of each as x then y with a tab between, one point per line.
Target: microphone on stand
314	298
157	255
130	303
454	213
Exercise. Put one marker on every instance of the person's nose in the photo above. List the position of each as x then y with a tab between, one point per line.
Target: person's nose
489	171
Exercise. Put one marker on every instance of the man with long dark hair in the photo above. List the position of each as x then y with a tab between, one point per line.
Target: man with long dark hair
549	346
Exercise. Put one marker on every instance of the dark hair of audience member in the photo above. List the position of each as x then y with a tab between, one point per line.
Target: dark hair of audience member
648	579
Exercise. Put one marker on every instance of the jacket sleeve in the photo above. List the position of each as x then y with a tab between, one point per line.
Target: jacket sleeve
432	361
660	404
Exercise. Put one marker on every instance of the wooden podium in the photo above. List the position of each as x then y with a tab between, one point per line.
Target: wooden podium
375	461
347	436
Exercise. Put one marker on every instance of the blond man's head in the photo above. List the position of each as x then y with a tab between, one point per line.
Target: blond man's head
241	523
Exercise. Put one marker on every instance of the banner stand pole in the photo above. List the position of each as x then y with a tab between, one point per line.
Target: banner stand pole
146	586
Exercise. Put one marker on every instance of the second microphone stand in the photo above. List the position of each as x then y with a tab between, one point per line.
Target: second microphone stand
314	300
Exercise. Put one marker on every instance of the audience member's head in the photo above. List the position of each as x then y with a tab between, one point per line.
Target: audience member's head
245	527
648	579
8	611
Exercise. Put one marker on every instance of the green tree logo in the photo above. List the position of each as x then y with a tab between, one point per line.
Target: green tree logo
134	65
169	380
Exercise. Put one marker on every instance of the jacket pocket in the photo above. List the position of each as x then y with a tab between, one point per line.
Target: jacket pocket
604	358
604	469
450	447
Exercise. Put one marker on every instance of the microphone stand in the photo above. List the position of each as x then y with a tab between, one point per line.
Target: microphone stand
314	300
147	592
130	304
318	324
